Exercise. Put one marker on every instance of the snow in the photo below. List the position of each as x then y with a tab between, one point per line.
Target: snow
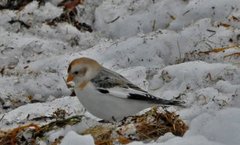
162	46
207	128
75	139
28	112
216	126
196	140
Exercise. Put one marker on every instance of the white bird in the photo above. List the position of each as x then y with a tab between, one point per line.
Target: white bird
107	94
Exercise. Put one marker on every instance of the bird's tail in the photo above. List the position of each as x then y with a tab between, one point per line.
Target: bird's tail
155	100
172	102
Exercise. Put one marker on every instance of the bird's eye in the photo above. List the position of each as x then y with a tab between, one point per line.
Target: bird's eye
76	72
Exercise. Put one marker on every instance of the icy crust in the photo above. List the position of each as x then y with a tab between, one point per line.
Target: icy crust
197	77
208	128
30	112
174	49
75	139
117	19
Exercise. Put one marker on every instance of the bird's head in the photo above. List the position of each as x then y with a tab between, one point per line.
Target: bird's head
82	70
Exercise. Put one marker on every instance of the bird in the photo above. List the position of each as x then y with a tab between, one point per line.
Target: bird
107	94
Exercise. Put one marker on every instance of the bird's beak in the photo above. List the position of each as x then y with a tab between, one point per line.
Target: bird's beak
69	78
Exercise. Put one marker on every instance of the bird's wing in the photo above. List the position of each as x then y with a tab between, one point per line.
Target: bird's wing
109	82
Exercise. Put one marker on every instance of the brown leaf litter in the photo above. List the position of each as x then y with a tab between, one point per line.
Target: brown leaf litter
17	136
146	127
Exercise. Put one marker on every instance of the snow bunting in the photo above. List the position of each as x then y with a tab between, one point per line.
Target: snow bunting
107	94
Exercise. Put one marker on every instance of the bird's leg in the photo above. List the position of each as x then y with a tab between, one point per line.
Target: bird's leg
114	119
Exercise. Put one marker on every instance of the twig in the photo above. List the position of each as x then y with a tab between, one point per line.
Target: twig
2	117
186	12
212	31
113	20
179	50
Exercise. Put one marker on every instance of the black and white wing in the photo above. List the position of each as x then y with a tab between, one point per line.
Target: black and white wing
109	82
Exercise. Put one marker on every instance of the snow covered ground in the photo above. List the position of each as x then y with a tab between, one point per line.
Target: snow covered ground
185	49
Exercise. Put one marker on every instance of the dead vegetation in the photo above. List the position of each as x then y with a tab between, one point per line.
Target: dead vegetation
228	53
15	136
69	14
28	134
69	17
147	127
223	49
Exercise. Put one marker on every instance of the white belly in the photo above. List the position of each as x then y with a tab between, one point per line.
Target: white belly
107	107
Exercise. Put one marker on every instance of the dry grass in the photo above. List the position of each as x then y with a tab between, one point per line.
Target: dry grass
12	137
217	50
16	135
154	124
101	134
146	127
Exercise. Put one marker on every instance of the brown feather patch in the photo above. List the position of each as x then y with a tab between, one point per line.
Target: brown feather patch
83	71
84	60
